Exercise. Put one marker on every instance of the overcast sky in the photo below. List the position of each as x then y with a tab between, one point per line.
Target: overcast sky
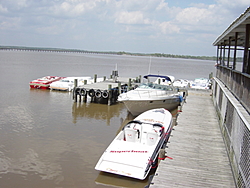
184	27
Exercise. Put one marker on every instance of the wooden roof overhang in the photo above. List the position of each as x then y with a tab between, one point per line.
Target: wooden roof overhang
237	30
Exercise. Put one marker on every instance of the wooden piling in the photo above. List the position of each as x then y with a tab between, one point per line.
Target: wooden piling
110	95
85	97
75	95
74	90
113	89
129	84
95	78
80	98
119	88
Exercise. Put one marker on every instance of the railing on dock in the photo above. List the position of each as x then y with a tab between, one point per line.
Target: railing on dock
234	123
237	82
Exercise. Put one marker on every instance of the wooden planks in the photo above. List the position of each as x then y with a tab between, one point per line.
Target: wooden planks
197	148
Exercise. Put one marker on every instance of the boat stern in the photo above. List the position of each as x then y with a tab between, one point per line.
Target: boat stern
123	169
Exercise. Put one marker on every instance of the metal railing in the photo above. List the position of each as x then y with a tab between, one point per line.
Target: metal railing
235	129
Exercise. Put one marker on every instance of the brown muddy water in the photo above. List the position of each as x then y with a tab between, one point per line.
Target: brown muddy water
47	140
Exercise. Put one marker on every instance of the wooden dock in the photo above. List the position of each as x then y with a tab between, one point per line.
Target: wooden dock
197	148
106	91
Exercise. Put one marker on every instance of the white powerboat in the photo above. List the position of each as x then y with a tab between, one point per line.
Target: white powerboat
150	95
200	83
135	149
67	84
181	83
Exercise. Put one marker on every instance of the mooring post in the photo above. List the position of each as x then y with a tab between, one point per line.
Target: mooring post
110	95
75	95
211	75
74	90
75	83
85	97
129	84
95	78
80	98
119	88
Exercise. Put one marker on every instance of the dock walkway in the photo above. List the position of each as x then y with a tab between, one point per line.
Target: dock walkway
197	148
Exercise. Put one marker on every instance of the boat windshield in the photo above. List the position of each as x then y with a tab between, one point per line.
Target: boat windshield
155	86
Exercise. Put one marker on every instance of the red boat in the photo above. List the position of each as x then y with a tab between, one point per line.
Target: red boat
44	83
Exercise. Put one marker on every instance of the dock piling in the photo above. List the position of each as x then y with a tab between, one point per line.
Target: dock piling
95	78
129	84
104	92
119	88
110	95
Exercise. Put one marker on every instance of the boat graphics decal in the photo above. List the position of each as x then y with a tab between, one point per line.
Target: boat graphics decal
152	120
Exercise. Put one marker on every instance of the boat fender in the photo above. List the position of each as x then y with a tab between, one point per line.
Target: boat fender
155	163
162	154
77	91
91	92
105	94
181	98
98	93
83	92
161	131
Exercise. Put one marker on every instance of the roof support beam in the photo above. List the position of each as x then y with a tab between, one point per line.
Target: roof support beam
246	66
221	55
229	49
235	50
224	52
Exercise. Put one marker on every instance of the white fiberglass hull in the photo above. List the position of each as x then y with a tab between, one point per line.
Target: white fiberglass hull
135	149
67	84
136	107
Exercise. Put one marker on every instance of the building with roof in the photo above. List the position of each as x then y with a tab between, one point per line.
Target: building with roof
231	94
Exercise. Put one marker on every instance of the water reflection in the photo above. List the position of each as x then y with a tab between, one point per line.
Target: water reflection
96	111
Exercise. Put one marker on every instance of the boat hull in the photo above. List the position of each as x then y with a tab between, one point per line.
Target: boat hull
136	107
39	86
44	83
135	149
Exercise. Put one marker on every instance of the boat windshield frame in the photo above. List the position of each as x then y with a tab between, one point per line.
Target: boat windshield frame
157	76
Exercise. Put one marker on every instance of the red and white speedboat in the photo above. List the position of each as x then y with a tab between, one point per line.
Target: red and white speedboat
44	82
134	151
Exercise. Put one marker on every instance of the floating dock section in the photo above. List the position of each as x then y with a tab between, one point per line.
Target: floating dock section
106	91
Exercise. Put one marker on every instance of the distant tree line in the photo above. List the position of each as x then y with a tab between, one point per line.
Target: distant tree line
213	58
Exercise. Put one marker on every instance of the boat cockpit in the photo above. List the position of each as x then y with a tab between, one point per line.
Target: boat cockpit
143	133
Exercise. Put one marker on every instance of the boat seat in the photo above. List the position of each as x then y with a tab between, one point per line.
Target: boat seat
130	135
151	138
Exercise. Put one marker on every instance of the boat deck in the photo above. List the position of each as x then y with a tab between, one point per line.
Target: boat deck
197	148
